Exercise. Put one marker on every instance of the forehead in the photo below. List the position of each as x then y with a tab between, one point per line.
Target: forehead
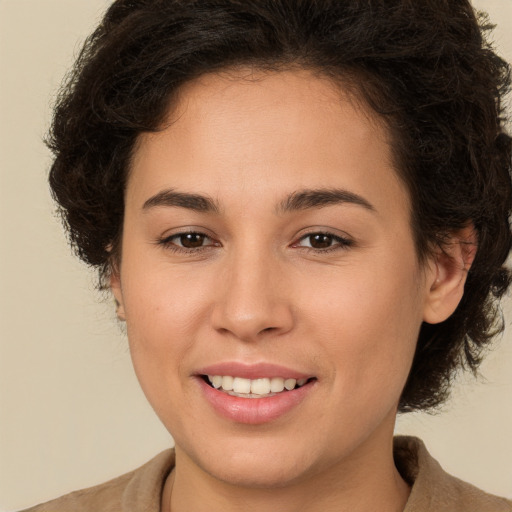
245	130
291	102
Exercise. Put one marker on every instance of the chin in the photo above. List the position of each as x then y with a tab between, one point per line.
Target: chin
258	472
253	462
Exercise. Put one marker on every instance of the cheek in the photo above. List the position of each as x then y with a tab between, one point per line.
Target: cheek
368	323
161	302
164	318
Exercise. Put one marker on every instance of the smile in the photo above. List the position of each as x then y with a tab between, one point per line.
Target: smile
254	388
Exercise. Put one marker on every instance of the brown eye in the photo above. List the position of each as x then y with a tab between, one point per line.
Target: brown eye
323	242
320	241
192	240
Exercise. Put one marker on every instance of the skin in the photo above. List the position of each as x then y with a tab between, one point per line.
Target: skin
258	292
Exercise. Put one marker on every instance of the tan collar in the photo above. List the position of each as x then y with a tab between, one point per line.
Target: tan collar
433	490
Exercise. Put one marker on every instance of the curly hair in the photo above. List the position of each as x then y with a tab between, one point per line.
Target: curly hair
424	67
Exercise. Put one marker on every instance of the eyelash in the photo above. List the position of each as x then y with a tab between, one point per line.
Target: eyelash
339	243
168	244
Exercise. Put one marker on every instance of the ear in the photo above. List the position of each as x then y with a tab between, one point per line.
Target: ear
448	271
115	286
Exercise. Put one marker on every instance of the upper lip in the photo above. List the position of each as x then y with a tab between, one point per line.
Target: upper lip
252	371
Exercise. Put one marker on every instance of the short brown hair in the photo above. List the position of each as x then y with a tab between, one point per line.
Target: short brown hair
424	67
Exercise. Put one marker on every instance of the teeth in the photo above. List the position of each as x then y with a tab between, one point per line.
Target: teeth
289	384
217	381
260	387
276	385
241	385
227	383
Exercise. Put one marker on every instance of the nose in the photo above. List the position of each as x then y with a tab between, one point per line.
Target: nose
253	300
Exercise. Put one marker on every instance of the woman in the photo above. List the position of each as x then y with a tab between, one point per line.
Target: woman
301	209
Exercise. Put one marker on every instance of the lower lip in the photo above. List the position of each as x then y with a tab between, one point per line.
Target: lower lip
254	411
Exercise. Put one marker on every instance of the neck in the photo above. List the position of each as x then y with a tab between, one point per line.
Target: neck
367	481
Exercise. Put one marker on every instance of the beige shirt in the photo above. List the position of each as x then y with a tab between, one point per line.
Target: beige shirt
433	490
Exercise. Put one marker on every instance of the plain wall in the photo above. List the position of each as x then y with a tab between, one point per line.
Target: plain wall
71	412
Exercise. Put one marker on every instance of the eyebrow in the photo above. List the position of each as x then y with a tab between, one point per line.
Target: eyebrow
296	201
319	198
196	202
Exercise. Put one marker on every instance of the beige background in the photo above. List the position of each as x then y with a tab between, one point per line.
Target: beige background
71	412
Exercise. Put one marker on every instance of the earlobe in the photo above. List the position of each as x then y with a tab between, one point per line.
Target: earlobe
115	283
115	287
449	267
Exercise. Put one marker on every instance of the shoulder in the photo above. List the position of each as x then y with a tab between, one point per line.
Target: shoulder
434	490
143	485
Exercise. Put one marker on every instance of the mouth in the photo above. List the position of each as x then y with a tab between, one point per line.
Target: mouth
265	387
254	393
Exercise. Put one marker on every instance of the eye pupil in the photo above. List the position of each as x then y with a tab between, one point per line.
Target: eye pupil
320	241
192	240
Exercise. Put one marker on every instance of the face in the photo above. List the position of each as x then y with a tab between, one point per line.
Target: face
267	243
